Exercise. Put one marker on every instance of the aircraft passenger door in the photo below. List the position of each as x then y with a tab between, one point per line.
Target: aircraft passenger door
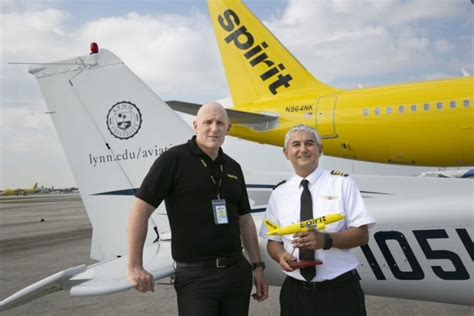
325	117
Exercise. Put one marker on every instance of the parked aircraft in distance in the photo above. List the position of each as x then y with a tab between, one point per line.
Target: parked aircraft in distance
112	127
318	223
398	124
20	191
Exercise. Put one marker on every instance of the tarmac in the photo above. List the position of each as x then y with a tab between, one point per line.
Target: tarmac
43	234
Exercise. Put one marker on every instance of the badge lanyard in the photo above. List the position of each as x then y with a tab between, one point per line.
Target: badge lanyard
218	185
218	206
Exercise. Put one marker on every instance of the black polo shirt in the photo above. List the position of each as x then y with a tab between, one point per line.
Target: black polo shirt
180	177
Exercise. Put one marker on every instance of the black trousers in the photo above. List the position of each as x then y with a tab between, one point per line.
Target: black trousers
212	291
341	296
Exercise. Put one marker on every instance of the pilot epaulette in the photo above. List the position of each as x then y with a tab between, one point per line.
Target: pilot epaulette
339	173
278	184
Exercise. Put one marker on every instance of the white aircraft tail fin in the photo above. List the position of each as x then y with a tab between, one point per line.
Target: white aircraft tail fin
465	73
112	127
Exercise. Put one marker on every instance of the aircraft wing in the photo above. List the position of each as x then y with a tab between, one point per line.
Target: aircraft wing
235	116
105	277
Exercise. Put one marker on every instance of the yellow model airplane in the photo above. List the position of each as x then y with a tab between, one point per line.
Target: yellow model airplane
318	223
20	191
426	124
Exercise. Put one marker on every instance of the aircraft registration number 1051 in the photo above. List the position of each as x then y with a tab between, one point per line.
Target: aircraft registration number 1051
415	272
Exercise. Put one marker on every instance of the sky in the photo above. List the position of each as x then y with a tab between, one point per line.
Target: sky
170	44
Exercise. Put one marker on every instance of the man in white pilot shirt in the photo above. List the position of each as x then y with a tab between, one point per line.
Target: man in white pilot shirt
333	287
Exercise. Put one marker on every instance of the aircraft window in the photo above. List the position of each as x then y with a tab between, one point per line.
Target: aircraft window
452	104
389	110
401	109
366	112
426	106
377	111
439	105
467	103
413	108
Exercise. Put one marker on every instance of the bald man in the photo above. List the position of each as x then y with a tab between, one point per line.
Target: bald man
209	213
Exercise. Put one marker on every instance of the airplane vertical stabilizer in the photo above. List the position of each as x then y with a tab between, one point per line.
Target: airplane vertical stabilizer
257	65
112	127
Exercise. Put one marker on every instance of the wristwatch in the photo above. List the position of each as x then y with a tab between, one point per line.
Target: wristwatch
255	265
327	241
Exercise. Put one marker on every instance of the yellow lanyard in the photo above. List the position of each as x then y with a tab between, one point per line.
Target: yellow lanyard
218	185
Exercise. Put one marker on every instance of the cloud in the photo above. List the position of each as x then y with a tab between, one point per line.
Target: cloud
31	151
167	51
347	41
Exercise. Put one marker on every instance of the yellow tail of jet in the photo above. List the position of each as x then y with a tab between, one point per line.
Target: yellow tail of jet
272	228
257	65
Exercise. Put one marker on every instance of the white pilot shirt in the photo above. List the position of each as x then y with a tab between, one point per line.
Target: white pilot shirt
331	193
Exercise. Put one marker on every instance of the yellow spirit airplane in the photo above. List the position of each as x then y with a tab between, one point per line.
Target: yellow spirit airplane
318	223
422	124
20	191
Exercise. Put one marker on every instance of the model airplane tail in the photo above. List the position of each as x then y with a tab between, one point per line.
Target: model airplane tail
111	127
318	223
257	65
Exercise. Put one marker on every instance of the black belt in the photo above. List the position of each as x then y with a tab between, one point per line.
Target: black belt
340	281
218	263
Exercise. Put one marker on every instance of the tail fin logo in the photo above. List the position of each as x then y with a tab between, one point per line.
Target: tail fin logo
124	120
270	226
244	40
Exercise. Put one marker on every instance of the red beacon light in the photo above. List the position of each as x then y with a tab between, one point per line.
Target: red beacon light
94	48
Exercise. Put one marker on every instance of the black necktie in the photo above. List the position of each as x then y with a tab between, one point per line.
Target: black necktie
305	214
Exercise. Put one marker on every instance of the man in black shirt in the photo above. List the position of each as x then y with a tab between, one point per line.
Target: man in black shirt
209	214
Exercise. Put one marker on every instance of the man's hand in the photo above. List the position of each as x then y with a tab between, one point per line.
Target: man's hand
140	279
312	240
261	285
284	260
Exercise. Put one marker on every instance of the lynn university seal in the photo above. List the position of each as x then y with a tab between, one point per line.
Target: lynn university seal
124	120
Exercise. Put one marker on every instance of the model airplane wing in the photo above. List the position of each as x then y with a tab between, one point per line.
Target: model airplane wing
235	116
105	277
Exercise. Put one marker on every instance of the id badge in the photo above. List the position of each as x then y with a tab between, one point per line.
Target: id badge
220	212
